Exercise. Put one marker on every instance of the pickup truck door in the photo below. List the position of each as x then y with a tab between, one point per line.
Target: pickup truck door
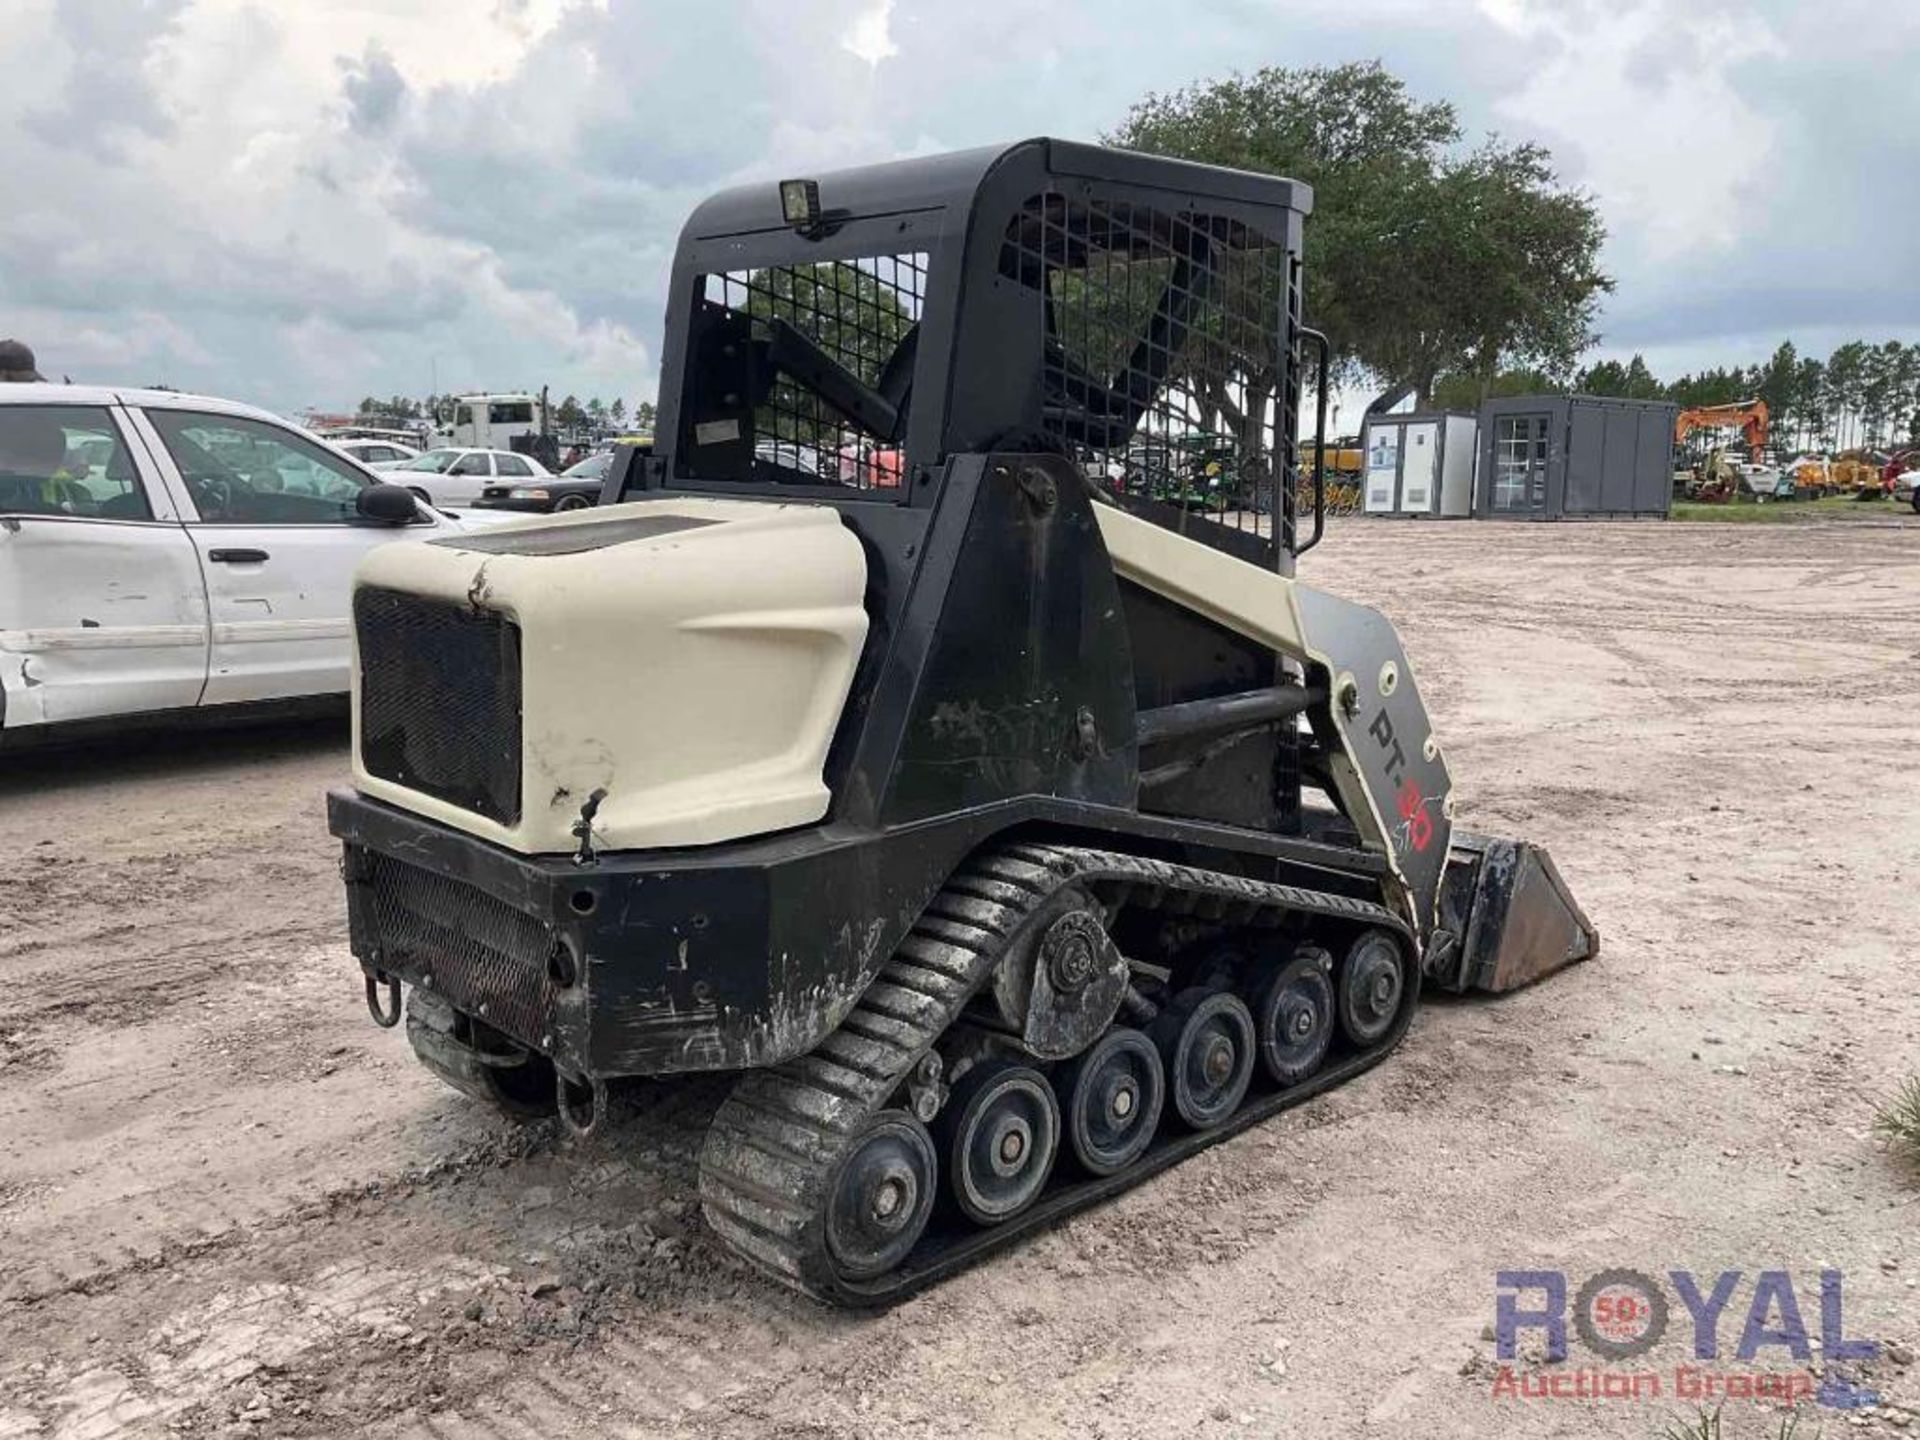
271	515
102	608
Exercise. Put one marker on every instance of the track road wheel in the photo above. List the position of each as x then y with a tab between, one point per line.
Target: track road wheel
1372	986
999	1134
1294	1017
881	1196
1111	1094
1206	1039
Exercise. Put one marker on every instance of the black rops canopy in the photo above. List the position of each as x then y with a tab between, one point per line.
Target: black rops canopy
1123	306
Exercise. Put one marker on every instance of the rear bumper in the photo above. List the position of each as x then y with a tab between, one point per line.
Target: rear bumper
722	957
642	963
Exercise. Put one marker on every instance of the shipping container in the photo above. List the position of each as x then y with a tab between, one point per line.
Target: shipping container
1552	457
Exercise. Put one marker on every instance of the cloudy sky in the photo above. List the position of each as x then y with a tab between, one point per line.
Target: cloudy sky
298	202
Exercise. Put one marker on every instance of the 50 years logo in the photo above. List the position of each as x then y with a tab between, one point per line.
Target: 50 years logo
1621	1314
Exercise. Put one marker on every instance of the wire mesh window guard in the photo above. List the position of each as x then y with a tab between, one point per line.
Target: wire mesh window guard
834	345
1167	371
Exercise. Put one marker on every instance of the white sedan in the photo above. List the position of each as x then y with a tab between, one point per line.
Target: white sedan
165	555
377	454
457	476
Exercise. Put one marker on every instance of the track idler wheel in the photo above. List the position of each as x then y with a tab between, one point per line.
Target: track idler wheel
1294	1017
1372	987
1206	1039
1111	1095
881	1196
519	1083
999	1135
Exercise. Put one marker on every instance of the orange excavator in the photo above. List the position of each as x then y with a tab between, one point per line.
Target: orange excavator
1749	415
1714	479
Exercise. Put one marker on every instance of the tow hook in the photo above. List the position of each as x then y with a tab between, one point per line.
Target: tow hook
582	1103
388	1017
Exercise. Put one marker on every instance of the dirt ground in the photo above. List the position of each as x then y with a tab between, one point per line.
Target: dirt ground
229	1204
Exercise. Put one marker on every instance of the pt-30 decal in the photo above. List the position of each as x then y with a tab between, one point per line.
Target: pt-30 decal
1415	830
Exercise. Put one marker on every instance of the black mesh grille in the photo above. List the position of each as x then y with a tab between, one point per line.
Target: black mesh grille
484	956
440	700
1169	346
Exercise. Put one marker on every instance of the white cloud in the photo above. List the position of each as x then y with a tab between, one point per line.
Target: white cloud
1649	97
131	346
869	37
300	203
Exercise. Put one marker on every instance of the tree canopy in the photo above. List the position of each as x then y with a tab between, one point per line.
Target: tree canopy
1423	258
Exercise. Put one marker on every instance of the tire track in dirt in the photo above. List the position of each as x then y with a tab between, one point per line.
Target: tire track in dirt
515	1259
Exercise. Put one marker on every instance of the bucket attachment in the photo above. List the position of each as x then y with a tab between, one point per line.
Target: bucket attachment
1512	915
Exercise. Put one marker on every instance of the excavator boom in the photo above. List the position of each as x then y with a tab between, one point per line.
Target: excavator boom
1750	416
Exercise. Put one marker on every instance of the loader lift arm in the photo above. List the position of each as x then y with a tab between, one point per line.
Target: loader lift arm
793	351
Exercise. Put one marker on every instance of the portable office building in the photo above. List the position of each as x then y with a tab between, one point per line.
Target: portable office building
1420	464
1548	457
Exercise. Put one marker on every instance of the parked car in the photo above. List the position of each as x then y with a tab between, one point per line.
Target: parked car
796	460
176	555
1906	489
377	454
455	476
575	488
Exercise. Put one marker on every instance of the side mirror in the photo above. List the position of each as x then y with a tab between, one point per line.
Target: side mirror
387	505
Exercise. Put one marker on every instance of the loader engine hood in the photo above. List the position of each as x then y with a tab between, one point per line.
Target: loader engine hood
508	683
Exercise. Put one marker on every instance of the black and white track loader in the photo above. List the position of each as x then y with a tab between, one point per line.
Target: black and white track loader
934	734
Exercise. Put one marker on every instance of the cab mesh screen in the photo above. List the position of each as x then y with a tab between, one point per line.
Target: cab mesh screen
827	353
1169	359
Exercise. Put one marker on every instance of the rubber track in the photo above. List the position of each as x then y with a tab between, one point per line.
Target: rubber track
771	1153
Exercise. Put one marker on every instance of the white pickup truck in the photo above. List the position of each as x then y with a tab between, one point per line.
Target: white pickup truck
170	555
1906	489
